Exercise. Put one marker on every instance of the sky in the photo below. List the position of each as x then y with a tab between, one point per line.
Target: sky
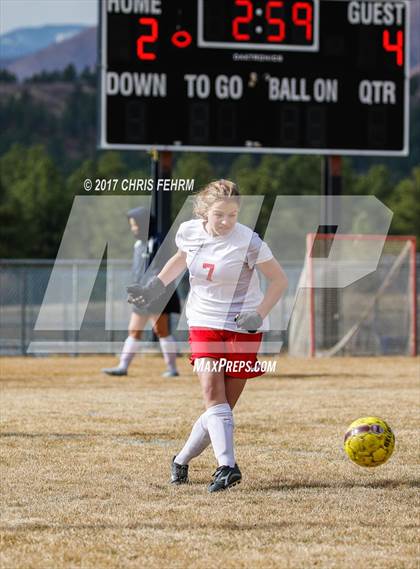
33	13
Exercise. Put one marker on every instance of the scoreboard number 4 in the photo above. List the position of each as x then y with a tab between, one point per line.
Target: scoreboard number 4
397	47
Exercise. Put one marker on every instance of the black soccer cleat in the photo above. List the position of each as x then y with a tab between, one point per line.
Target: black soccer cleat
179	473
225	477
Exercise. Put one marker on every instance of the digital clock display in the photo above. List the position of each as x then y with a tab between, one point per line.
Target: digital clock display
291	76
253	24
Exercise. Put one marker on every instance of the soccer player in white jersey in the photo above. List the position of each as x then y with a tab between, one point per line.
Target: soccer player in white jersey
226	312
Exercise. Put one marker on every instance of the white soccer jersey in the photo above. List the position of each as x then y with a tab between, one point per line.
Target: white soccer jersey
222	276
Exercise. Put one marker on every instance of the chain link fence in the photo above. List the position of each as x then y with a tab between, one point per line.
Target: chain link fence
23	284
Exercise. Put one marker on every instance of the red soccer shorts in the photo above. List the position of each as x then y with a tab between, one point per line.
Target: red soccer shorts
236	352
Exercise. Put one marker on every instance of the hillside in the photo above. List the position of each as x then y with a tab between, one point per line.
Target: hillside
24	41
79	50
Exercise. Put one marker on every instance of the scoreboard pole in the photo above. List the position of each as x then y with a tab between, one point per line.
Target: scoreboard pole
161	167
154	174
163	199
331	186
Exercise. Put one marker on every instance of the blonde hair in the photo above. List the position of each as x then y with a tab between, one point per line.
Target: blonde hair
212	193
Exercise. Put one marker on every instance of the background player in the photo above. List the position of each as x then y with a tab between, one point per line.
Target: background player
145	248
226	313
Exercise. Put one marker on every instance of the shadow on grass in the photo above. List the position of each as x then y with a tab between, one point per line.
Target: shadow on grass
323	375
186	525
310	485
129	438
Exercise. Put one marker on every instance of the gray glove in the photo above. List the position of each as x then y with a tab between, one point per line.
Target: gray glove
249	321
142	295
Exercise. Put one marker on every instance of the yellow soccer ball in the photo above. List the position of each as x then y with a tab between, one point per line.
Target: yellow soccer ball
369	441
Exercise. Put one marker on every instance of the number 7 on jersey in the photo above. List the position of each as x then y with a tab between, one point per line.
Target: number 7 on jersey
210	267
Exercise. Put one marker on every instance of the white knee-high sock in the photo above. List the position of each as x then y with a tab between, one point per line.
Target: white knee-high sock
168	347
128	352
198	440
219	422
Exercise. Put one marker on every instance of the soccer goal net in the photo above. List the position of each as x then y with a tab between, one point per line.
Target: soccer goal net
376	315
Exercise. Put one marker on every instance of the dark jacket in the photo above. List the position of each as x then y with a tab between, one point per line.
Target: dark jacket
146	246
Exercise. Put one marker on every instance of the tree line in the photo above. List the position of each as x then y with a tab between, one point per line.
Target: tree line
47	152
36	195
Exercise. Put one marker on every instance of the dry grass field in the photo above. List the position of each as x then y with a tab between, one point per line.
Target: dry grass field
85	462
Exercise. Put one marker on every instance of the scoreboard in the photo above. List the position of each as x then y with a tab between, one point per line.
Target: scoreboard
290	76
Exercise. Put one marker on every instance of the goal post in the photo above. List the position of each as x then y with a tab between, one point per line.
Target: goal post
376	315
